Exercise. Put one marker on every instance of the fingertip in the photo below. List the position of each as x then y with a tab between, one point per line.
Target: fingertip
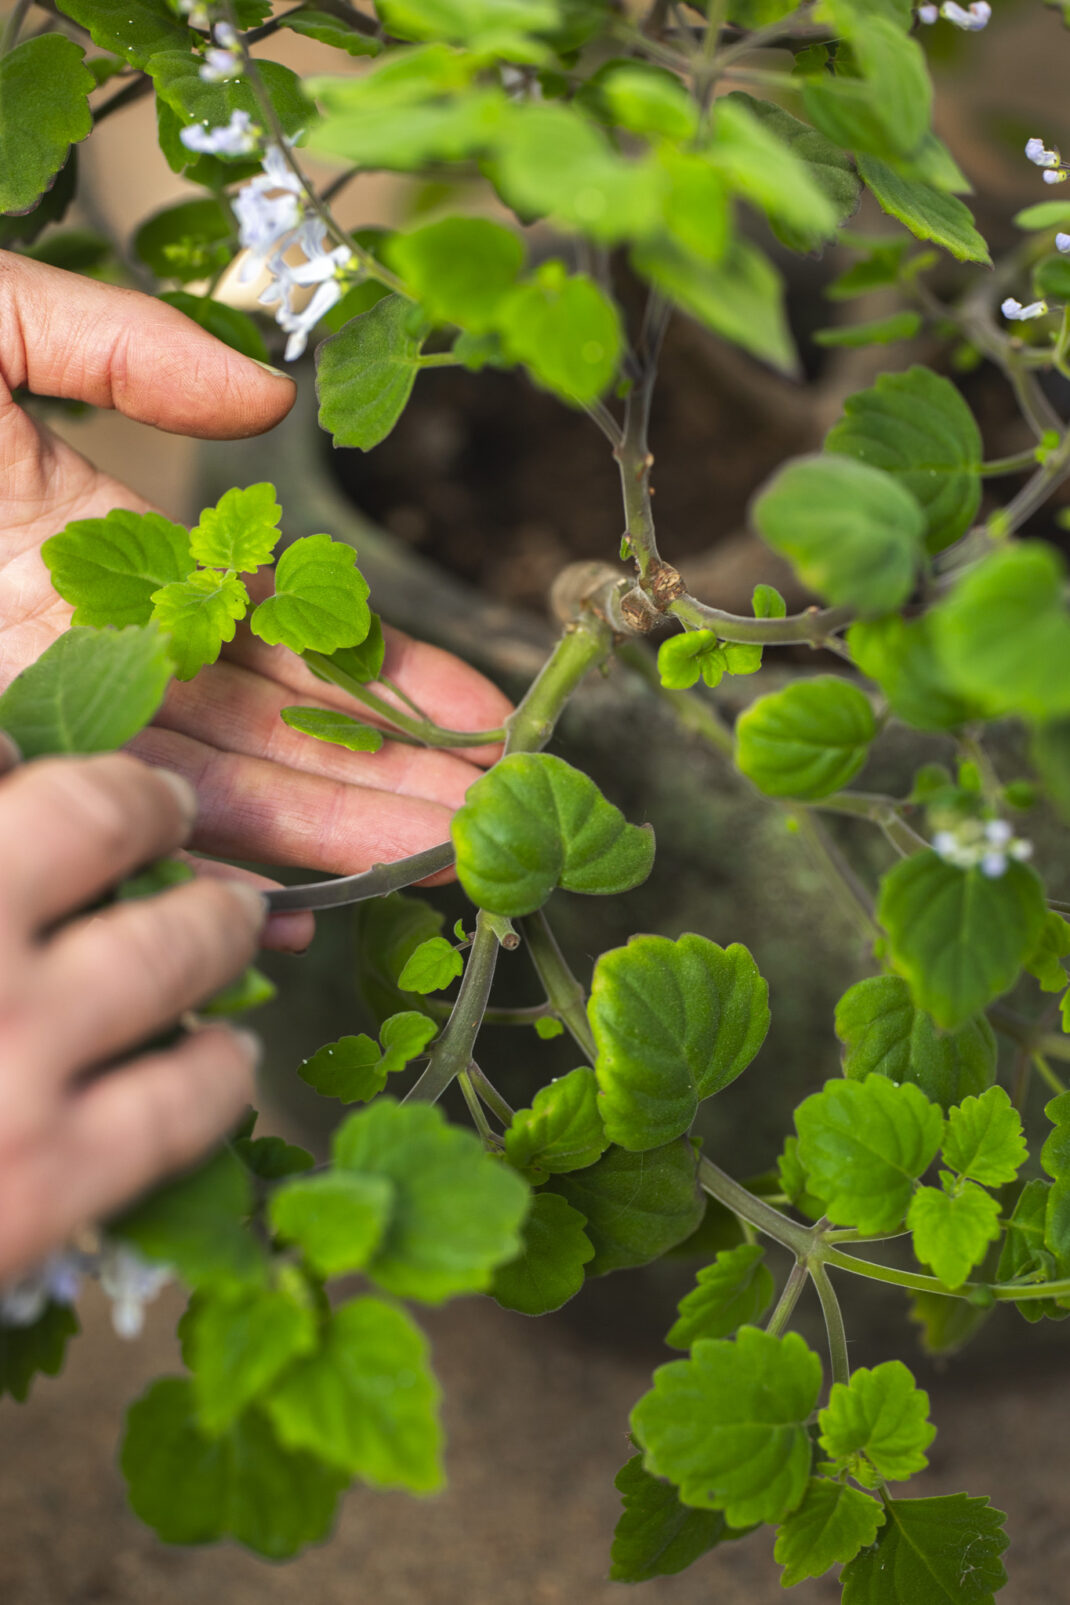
290	933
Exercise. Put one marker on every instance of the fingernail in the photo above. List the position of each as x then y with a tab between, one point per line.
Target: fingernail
184	794
9	752
250	1044
276	373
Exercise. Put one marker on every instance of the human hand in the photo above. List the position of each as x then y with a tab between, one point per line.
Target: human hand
266	792
78	991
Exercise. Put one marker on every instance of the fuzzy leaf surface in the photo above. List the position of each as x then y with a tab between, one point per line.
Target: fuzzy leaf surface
734	1291
885	1034
808	740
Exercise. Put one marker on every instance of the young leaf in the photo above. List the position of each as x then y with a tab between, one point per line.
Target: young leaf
272	1158
656	1535
637	1206
367	1402
682	658
565	330
320	601
734	1291
885	1034
240	532
885	108
562	1131
942	1551
916	427
108	568
903	656
831	1525
984	1139
457	1212
350	1069
806	741
192	240
863	1144
952	1231
329	724
958	936
740	298
44	110
459	269
548	1271
929	214
196	1224
90	691
1045	961
389	929
853	533
533	823
404	1037
198	616
881	1414
237	1345
360	664
336	1219
728	1426
365	374
433	965
192	1489
673	1023
37	1349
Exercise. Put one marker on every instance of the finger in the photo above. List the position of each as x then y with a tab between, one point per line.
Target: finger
239	711
65	335
254	809
283	933
111	981
71	828
120	1134
10	755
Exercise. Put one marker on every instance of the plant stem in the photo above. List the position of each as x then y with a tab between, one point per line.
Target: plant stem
811	628
761	1215
475	1109
565	994
490	1094
834	1327
888	1273
1047	1074
424	730
788	1299
453	1050
1018	464
851	894
127	96
13	28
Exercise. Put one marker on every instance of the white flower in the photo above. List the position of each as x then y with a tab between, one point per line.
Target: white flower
220	66
236	138
1062	242
1039	154
1017	313
1021	849
998	833
226	36
299	325
56	1280
196	13
130	1282
1054	175
267	220
994	865
321	268
969	17
928	14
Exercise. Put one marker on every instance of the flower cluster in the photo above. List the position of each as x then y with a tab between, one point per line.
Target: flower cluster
990	844
129	1280
971	17
1055	171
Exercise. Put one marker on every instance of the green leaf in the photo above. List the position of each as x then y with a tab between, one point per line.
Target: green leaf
329	724
637	1206
916	427
457	1212
759	165
872	332
673	1023
885	1034
744	657
198	616
1051	278
328	30
644	99
683	658
192	1489
389	929
825	164
947	1324
494	27
929	214
728	1425
1004	632
272	1158
548	1271
831	1525
404	1037
367	1401
881	1414
433	965
656	1535
193	240
562	1131
240	532
108	568
25	227
235	329
958	936
863	1144
350	1069
133	31
808	740
320	601
1057	1223
942	1551
196	1224
795	1183
952	1231
359	664
565	330
551	161
740	298
336	1219
735	1290
984	1139
44	110
365	374
90	691
1044	215
37	1349
460	269
251	990
176	74
1045	961
887	107
533	823
852	533
1024	1253
904	658
237	1346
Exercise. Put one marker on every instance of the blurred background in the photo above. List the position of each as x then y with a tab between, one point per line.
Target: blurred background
462	519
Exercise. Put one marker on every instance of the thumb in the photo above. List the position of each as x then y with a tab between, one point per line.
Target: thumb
64	335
